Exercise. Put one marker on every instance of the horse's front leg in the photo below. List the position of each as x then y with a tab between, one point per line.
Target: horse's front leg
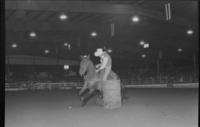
83	89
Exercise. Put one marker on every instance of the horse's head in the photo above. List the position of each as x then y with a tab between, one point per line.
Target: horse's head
84	64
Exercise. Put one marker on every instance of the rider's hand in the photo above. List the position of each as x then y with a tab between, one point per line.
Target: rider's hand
98	65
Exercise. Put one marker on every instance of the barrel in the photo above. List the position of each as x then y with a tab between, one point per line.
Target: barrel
111	94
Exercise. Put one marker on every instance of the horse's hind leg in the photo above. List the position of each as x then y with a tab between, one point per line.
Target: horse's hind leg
123	93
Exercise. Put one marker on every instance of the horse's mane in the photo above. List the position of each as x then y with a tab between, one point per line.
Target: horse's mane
91	71
91	64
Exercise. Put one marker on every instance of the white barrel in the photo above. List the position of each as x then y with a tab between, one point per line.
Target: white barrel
111	94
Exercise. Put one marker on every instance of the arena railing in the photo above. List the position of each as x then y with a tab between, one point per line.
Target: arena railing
78	85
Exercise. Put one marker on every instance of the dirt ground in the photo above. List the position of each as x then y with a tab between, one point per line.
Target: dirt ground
159	107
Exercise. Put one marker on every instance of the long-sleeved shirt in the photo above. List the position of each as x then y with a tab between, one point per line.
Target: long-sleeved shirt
106	61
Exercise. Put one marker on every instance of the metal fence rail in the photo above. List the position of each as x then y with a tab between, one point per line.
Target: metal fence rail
77	85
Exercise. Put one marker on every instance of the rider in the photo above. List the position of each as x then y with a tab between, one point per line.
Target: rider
106	62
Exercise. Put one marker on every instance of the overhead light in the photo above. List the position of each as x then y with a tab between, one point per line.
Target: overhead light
135	19
168	11
142	42
14	45
189	32
32	34
46	51
66	67
143	56
63	16
93	34
180	50
66	44
69	47
146	45
109	50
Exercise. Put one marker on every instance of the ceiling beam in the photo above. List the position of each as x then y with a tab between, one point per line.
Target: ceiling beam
89	6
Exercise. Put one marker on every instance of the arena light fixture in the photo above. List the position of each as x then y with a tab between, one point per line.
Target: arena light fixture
66	44
14	45
179	49
93	34
146	45
143	55
189	32
63	16
142	42
46	51
69	47
32	34
109	50
66	67
135	19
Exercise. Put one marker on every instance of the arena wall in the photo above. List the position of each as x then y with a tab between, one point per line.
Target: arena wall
78	85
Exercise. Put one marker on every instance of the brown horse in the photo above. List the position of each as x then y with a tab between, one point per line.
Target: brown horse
92	79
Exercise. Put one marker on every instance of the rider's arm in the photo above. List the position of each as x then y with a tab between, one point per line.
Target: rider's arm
98	65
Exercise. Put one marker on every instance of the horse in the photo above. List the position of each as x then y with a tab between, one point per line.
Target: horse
92	80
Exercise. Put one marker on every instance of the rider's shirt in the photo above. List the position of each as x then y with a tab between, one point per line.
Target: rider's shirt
109	62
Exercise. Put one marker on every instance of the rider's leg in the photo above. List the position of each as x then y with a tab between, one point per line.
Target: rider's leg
107	71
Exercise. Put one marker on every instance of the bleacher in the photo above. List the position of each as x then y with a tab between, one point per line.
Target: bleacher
59	80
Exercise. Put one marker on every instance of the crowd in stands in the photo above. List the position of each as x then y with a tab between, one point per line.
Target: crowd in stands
41	77
128	78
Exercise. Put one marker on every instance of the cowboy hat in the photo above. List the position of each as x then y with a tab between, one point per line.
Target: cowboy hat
99	52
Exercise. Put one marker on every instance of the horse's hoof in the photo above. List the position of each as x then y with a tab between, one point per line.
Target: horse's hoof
83	102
